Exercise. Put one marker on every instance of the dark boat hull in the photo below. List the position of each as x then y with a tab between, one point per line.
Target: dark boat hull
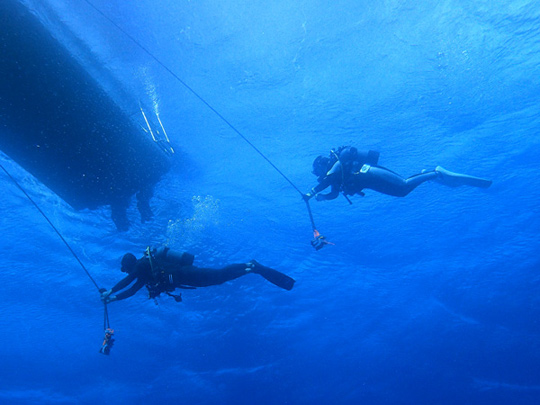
59	124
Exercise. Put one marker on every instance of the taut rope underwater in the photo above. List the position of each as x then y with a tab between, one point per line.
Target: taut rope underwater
318	241
107	343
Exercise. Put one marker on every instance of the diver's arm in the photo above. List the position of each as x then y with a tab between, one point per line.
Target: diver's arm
123	283
324	183
130	291
331	179
315	190
333	194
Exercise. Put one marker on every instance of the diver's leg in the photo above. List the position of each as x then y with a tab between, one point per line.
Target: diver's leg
119	214
387	182
417	179
204	277
143	203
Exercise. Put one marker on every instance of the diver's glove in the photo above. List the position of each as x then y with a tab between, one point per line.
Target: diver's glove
109	298
308	195
320	197
105	294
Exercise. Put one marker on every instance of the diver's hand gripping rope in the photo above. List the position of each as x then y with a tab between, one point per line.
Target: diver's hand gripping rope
105	349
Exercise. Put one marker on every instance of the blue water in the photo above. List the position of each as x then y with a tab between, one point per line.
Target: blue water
428	299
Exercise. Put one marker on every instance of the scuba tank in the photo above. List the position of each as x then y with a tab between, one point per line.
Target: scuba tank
166	256
161	260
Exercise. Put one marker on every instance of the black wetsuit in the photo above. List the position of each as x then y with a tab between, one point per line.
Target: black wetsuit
356	171
385	181
178	275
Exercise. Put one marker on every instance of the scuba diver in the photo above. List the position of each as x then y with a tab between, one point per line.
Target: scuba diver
163	270
350	171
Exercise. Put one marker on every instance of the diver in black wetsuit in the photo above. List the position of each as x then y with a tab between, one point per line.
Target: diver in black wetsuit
349	171
162	271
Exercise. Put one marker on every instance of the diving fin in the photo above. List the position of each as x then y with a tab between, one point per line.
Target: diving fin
452	179
274	276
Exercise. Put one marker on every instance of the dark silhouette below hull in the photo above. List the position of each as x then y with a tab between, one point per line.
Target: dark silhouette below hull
58	123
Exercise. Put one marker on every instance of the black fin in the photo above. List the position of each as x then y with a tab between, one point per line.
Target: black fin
275	277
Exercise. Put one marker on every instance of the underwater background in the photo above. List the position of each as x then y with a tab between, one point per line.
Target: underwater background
428	299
